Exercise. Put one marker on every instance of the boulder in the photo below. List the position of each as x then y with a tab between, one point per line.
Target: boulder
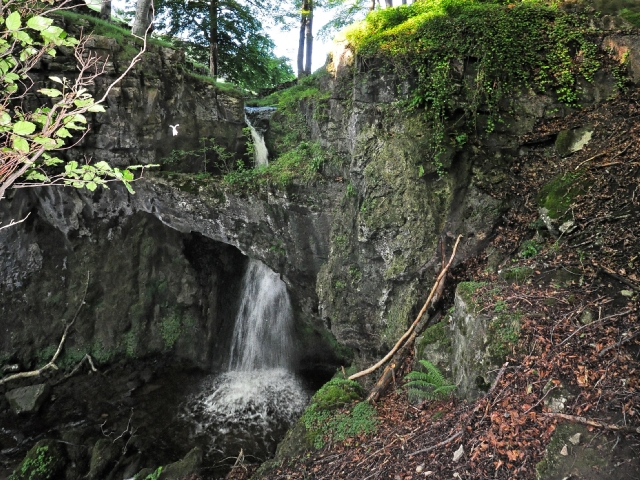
28	399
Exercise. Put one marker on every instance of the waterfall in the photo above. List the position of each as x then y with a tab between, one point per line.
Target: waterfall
253	403
261	336
260	152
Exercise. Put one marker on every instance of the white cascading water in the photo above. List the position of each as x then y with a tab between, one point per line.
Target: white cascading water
252	404
260	152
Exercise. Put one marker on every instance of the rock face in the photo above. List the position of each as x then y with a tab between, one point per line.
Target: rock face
357	250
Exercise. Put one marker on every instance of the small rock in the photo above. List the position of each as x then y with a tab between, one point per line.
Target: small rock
564	451
458	453
587	317
27	399
575	439
567	227
419	468
428	474
626	293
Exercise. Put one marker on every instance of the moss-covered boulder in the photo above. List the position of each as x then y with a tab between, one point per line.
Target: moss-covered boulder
44	461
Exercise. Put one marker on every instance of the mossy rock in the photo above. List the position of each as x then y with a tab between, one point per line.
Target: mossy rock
44	461
517	275
571	141
557	195
337	393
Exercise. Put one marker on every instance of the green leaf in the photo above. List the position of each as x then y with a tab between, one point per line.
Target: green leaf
52	161
88	176
24	128
20	144
91	186
50	92
72	165
23	37
96	108
56	79
26	53
51	52
10	77
63	133
103	166
36	176
49	143
5	118
39	23
83	102
13	22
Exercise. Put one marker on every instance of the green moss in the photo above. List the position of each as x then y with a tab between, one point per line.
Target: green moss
324	421
467	291
438	333
45	355
102	354
171	329
502	335
557	195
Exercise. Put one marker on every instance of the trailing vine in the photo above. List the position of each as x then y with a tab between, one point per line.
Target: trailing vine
468	55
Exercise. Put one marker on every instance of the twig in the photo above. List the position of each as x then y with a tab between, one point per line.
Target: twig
12	222
52	363
621	342
86	358
593	423
436	287
589	159
437	445
592	324
620	278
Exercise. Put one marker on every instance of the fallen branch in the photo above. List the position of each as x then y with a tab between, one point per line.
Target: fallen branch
437	445
52	363
592	324
389	372
620	278
593	423
589	159
86	358
436	288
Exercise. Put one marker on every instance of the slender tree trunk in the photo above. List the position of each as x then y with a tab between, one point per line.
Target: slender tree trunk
389	3
105	10
213	39
404	2
143	19
303	27
373	5
309	38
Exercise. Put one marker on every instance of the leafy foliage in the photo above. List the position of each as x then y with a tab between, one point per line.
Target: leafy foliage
28	138
472	54
245	53
429	385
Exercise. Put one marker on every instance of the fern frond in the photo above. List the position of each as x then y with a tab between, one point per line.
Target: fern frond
429	385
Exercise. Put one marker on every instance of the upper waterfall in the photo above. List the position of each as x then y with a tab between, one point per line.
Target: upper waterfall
260	152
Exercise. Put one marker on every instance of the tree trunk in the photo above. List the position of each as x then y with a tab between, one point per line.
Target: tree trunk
389	3
143	19
373	5
404	2
309	38
303	27
105	10
213	39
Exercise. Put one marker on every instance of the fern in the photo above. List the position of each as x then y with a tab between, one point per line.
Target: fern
429	385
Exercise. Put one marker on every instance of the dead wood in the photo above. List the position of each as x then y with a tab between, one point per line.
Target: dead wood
389	372
593	423
436	288
52	363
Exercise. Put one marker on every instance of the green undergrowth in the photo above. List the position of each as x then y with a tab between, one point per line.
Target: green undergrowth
468	55
333	417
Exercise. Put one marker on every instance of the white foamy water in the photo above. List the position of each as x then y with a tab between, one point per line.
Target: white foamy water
253	404
260	152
